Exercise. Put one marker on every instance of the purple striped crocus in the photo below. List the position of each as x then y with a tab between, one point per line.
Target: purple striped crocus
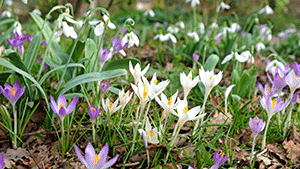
219	158
256	125
94	113
61	107
12	93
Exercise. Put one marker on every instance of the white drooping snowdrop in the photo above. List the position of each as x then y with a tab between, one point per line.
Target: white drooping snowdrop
131	39
149	12
194	35
267	9
100	25
243	57
223	6
193	2
165	37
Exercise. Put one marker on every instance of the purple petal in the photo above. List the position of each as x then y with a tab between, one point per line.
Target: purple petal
79	155
61	101
7	86
90	154
103	156
72	105
2	163
53	105
62	112
111	162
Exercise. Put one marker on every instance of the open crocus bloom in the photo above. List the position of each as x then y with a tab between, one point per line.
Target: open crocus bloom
159	87
219	159
272	106
61	107
144	90
93	160
124	98
110	106
209	79
188	83
293	81
94	113
137	72
267	90
279	82
12	93
151	135
256	125
167	104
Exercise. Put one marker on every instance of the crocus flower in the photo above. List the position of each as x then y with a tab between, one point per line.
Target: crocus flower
2	163
12	93
93	112
110	107
159	87
267	9
256	125
124	98
105	86
137	72
131	39
61	107
144	90
104	56
223	6
150	134
294	98
272	106
267	91
219	159
17	42
293	81
279	82
167	104
193	2
44	43
188	83
149	12
194	35
195	56
117	46
93	160
296	68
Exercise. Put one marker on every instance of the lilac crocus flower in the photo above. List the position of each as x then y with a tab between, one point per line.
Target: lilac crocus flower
105	86
294	98
267	90
195	56
61	107
272	106
296	68
293	81
256	125
12	93
117	46
104	54
93	112
219	159
41	61
17	40
2	163
93	160
279	82
44	43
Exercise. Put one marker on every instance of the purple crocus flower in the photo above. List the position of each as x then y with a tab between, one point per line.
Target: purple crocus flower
93	112
256	125
105	86
293	81
117	44
294	98
267	90
93	160
17	40
12	93
29	38
104	54
61	107
44	43
279	82
296	68
41	61
2	163
272	106
195	56
219	159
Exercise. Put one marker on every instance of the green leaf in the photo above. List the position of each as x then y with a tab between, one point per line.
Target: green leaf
47	32
5	35
4	76
120	64
90	53
16	60
92	77
6	21
32	51
235	79
7	64
211	62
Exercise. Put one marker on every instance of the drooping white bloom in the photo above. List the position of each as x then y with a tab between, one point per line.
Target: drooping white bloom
37	11
214	25
193	2
271	66
247	55
8	2
173	29
131	39
151	135
293	81
149	12
180	24
194	35
243	57
167	104
223	6
124	98
209	79
166	37
201	27
109	106
66	29
188	83
137	72
229	57
267	9
259	46
18	27
234	27
6	14
228	90
108	22
159	87
99	29
69	30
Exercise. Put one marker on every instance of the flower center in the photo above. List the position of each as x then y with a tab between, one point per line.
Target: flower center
145	92
123	95
155	81
280	79
274	101
295	77
96	158
20	36
256	121
110	105
92	109
190	78
61	105
210	77
170	101
13	91
185	110
269	89
222	154
151	133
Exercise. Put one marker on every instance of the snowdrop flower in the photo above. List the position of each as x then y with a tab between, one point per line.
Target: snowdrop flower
165	37
66	29
214	25
6	14
18	27
223	6
267	9
247	54
159	87
69	30
110	107
188	83
194	35
228	90
99	29
193	2
8	2
136	72
151	135
243	57
108	22
173	29
259	46
201	27
167	104
234	27
38	12
209	79
131	39
180	24
273	65
149	12
124	98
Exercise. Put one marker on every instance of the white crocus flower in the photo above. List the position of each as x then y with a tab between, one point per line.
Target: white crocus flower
6	14
223	6
159	87
151	135
193	2
131	39
184	114
259	46
293	81
167	104
188	83
194	35
37	11
228	90
137	72
99	29
124	98
180	24
144	90
110	107
267	9
165	37
149	12
209	79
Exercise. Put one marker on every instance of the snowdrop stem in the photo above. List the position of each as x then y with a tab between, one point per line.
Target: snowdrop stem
15	126
265	134
252	151
122	109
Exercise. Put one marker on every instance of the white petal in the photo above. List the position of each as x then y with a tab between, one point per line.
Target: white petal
227	58
94	22
99	29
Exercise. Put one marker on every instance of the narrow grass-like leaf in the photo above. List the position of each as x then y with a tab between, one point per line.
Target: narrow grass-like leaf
16	60
4	36
32	51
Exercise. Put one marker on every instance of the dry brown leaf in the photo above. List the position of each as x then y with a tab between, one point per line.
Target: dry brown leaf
292	149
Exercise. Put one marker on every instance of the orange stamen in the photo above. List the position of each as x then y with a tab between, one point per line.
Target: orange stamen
123	95
170	101
151	133
210	77
269	89
145	92
96	158
110	105
13	91
155	81
185	110
93	109
274	101
61	105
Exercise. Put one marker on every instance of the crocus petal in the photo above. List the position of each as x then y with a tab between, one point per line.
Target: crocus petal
62	112
79	155
72	105
90	154
103	155
111	162
227	58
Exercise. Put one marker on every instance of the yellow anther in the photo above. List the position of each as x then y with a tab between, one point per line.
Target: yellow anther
123	95
222	154
93	109
155	81
269	89
280	78
255	122
20	36
274	101
61	105
13	91
185	110
210	77
110	105
190	78
96	158
170	101
151	133
145	92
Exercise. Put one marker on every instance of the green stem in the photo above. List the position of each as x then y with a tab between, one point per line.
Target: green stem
122	109
15	126
175	134
263	145
252	151
94	134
